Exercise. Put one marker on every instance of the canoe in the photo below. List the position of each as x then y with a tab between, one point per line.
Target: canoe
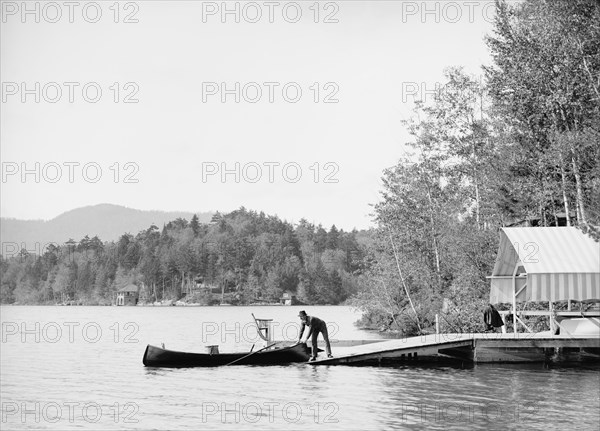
158	357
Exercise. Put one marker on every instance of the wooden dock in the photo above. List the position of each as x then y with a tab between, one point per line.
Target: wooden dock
473	348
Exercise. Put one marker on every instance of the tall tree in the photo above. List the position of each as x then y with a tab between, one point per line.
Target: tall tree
544	82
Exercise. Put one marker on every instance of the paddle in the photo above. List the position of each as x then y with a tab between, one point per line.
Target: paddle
252	353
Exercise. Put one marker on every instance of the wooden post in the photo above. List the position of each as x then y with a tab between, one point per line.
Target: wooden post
437	324
514	301
551	310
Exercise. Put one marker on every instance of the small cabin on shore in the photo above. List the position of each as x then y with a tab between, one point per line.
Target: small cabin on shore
128	295
288	298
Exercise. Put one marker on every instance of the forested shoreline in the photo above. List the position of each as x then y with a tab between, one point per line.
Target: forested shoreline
249	256
520	145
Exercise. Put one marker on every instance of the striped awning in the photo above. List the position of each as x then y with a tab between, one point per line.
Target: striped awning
554	264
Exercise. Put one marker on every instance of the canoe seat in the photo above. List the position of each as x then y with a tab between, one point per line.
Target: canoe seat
264	329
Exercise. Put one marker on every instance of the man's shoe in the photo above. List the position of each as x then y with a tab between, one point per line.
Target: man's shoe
312	359
330	356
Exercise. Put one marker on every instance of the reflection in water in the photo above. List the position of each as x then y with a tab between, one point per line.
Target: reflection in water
109	376
152	371
318	375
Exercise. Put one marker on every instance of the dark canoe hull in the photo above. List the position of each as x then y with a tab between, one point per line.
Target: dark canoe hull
158	357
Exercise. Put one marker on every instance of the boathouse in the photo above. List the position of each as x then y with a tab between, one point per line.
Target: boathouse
288	298
546	264
128	295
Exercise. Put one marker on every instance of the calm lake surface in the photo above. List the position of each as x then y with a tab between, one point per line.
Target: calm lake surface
80	368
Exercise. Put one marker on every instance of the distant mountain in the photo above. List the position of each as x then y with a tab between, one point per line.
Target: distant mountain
107	221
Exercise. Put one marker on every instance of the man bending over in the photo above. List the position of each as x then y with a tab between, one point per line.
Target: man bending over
316	325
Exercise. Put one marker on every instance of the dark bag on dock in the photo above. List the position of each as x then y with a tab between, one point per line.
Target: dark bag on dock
492	318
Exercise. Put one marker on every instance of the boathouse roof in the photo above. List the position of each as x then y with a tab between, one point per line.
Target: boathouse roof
548	264
129	288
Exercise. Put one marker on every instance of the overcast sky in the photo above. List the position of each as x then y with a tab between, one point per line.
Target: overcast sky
298	156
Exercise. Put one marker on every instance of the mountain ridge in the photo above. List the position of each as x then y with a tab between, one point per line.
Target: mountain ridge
107	221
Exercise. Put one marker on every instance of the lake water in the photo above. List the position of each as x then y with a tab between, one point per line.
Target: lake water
80	368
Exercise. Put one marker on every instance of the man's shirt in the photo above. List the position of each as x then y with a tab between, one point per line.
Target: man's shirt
314	323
